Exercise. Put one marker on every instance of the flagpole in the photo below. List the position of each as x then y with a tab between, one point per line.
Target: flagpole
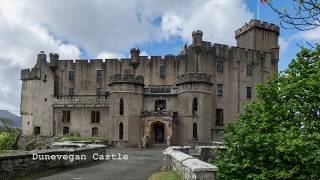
258	7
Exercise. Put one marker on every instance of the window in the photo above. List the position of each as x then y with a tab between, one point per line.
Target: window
65	130
71	91
220	66
219	117
36	130
220	89
121	106
99	74
121	131
195	131
95	116
160	104
194	106
249	70
98	92
249	92
66	116
162	71
71	75
94	131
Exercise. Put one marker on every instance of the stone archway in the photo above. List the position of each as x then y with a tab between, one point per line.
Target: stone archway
157	131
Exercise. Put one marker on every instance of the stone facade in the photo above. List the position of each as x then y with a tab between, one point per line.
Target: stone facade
186	98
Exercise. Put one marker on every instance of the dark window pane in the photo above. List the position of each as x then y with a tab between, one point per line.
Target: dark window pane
219	117
162	71
65	130
37	131
195	131
120	131
95	131
220	66
249	70
160	104
98	91
220	89
99	74
71	75
248	92
194	106
121	106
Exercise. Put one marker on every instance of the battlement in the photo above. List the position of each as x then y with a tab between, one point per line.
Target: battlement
31	74
127	78
194	77
258	24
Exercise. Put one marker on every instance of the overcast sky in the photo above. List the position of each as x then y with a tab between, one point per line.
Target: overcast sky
109	28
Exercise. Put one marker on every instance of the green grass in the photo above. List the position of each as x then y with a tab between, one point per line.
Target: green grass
165	175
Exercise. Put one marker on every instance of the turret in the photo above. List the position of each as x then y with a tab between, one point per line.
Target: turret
134	61
197	41
259	35
54	57
41	59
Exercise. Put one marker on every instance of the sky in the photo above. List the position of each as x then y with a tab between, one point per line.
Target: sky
88	29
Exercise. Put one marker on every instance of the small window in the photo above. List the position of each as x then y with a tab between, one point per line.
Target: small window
194	106
94	131
98	92
219	117
160	104
36	130
121	131
220	66
249	92
71	91
220	89
195	131
66	116
99	74
162	71
45	99
95	116
71	75
65	130
121	106
249	70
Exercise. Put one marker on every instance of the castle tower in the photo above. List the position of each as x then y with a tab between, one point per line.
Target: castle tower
261	36
126	105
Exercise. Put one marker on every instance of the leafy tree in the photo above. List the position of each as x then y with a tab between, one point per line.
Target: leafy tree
8	138
278	136
304	16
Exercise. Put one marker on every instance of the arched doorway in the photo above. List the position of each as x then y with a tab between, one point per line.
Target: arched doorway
158	133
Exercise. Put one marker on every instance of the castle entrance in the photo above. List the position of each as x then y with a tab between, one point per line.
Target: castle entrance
158	133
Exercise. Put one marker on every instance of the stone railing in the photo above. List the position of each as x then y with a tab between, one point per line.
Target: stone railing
127	78
188	167
27	74
26	162
80	101
158	113
194	77
160	90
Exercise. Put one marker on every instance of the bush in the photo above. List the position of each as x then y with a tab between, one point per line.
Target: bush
9	138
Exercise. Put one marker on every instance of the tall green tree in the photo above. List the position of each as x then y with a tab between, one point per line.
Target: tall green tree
278	136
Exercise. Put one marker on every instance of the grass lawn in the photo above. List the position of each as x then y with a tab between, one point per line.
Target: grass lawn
165	175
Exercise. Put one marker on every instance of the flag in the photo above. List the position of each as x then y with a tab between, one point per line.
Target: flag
264	1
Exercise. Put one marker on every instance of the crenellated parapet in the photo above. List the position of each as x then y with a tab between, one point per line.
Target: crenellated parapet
194	78
31	74
127	78
258	24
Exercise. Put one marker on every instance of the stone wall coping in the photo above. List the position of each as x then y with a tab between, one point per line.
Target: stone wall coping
46	152
180	156
197	165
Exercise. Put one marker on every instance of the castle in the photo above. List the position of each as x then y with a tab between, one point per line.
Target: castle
179	99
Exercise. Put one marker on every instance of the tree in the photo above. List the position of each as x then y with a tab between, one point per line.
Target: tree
305	14
278	136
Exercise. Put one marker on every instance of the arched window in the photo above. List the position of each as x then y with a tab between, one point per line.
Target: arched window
194	106
121	106
195	131
121	131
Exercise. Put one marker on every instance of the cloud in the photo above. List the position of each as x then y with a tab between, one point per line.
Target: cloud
103	29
